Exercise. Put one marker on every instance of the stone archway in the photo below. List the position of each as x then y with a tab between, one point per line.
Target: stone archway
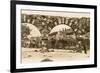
62	33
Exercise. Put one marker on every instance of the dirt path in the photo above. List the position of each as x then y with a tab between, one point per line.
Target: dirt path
30	55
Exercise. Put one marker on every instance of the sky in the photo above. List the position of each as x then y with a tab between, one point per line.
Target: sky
57	13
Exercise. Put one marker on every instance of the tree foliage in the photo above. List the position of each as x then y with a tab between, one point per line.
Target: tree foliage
25	31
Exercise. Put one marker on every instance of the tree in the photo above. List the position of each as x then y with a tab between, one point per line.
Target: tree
24	31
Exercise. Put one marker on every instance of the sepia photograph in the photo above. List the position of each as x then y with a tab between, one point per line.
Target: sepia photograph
52	36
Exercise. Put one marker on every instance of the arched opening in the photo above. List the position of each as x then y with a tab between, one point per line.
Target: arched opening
62	36
31	36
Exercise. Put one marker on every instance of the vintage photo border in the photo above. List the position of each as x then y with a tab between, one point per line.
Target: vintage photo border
13	36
